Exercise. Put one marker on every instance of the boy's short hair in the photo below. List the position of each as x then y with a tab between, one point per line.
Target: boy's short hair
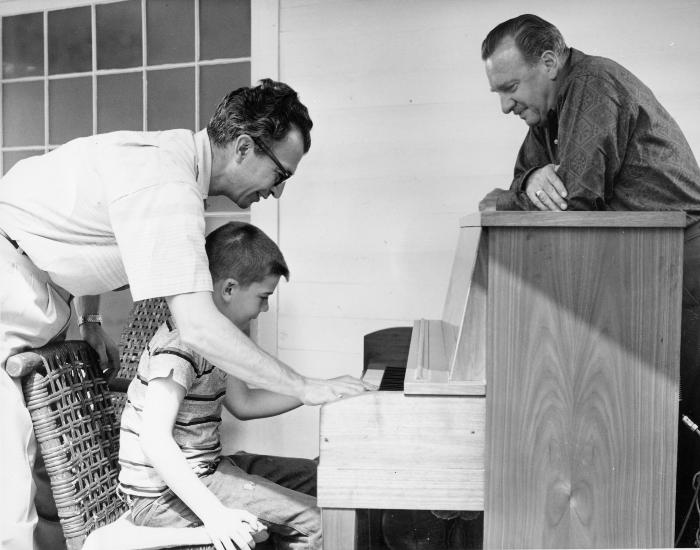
241	251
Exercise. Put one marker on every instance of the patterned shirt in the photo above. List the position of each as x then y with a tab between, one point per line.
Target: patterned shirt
196	429
617	147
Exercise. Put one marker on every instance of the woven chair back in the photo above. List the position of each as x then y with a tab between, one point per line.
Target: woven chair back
144	319
77	430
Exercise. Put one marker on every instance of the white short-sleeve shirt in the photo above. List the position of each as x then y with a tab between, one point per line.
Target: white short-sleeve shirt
113	209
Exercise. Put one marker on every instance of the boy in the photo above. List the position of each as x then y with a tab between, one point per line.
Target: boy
172	470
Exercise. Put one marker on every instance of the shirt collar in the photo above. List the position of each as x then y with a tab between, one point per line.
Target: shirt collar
563	78
203	148
573	58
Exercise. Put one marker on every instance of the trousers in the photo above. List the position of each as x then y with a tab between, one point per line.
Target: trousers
33	312
688	461
280	491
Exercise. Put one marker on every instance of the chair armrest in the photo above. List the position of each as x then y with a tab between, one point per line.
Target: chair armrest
22	364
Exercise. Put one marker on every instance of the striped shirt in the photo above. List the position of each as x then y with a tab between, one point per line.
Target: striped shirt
196	429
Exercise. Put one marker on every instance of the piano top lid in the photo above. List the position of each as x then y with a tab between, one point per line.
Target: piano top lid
503	218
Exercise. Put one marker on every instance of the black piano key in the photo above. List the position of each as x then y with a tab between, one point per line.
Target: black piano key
392	379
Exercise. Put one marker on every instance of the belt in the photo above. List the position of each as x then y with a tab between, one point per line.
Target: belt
12	242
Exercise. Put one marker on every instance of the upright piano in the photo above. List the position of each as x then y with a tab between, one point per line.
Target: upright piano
546	395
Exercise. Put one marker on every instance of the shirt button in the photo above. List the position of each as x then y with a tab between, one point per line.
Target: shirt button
556	142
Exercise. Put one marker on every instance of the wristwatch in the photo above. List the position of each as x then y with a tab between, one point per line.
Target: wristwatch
82	319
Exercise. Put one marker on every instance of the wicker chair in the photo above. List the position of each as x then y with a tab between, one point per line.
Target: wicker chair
76	418
144	319
77	428
76	422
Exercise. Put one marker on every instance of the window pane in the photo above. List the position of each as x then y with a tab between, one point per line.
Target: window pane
119	102
23	113
70	41
118	34
171	99
23	45
10	158
224	28
170	31
70	109
215	82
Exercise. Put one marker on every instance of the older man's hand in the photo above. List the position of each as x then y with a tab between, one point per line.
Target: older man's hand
546	190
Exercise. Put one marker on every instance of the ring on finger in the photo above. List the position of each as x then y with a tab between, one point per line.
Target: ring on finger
538	193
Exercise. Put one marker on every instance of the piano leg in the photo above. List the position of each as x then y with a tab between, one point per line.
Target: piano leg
338	528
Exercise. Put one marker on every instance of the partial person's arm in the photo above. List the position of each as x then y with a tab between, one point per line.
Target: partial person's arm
160	232
533	155
205	330
246	403
224	525
93	333
595	126
594	129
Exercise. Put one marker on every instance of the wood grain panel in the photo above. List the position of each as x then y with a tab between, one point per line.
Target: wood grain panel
338	529
428	369
582	387
574	219
378	446
421	488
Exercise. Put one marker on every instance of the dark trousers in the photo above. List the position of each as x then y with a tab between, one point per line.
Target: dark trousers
689	442
280	491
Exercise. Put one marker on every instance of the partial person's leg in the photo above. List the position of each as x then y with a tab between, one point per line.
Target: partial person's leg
17	513
689	442
32	313
291	517
298	474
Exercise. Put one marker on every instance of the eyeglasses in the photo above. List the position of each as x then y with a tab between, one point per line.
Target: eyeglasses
283	174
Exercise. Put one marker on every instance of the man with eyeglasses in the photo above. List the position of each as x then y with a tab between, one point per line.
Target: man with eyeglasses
126	208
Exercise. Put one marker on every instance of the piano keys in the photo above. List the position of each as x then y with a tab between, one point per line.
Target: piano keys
546	395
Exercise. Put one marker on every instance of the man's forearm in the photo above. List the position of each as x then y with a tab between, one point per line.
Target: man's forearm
228	348
87	305
210	334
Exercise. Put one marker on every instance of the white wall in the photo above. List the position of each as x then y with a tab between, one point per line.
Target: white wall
408	138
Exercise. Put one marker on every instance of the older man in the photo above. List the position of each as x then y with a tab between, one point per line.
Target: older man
598	139
105	211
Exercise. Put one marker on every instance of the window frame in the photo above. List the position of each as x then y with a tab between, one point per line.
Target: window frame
46	6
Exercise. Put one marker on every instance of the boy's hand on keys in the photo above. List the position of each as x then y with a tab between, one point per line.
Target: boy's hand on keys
317	392
231	529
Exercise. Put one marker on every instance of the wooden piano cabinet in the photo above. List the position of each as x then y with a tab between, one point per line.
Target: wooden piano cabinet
582	381
387	450
574	443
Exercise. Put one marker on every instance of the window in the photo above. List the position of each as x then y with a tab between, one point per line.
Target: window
126	65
